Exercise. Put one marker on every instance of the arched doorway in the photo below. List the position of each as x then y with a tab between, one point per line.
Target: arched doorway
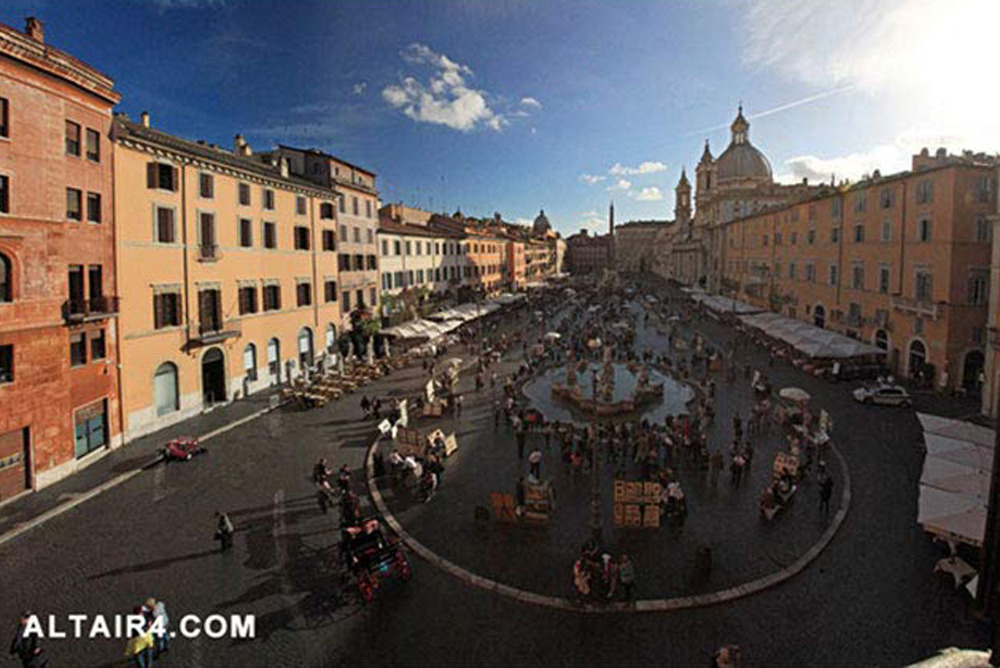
971	369
331	339
250	361
305	348
819	316
165	389
274	361
882	339
213	376
916	359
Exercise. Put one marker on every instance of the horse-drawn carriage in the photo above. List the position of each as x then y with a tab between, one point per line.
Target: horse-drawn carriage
371	558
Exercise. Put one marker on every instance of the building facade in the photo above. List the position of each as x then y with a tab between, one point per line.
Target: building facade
59	405
228	267
900	261
636	242
417	265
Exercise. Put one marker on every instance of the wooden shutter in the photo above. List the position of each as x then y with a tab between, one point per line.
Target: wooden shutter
151	175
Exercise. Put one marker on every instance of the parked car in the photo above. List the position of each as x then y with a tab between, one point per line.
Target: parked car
889	395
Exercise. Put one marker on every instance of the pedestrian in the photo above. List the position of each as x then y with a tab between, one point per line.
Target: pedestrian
626	575
139	648
366	404
519	436
497	412
458	405
377	408
161	633
25	645
224	531
825	493
535	464
725	657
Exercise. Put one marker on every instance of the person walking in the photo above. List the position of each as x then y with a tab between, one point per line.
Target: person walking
825	493
626	575
458	405
224	531
520	437
366	404
25	646
535	464
161	633
139	648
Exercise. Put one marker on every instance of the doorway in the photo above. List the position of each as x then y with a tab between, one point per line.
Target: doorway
213	377
15	469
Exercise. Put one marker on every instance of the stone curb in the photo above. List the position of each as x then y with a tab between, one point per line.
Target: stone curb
124	477
648	605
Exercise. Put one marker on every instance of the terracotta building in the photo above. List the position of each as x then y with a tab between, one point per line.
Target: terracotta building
58	295
900	261
586	254
228	268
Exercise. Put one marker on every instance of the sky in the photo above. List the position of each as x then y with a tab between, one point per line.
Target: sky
514	106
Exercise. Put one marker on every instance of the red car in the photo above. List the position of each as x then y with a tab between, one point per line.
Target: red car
182	449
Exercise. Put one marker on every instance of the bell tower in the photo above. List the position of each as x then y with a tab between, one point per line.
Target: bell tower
682	200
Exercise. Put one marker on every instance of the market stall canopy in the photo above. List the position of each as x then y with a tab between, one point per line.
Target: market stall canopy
422	329
465	312
955	481
507	298
808	339
721	304
553	336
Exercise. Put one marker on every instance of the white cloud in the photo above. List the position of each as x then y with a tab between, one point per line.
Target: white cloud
360	87
530	102
594	225
648	167
589	214
446	98
620	185
591	179
651	194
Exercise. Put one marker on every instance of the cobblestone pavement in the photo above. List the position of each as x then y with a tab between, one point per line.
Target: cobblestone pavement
869	600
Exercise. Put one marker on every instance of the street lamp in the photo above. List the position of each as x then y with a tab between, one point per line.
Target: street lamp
595	495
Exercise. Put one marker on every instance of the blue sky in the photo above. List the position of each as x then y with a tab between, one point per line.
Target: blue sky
513	106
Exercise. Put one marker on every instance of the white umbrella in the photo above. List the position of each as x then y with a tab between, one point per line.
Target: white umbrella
594	344
794	394
553	336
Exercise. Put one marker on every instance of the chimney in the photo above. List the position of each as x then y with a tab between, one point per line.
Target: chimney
284	167
33	28
145	119
238	143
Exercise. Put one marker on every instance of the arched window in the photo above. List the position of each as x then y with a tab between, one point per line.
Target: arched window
250	361
274	360
6	279
305	347
918	357
819	316
331	338
882	339
165	389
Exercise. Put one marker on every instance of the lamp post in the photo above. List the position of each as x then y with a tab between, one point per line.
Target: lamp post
595	495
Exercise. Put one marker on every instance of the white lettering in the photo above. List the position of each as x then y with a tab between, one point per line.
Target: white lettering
215	626
77	621
34	627
157	628
53	631
187	622
99	628
135	625
244	626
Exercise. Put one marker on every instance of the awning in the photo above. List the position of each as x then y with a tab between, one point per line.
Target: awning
422	329
809	339
722	304
955	481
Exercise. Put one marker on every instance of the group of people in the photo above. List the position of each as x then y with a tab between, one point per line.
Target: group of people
597	576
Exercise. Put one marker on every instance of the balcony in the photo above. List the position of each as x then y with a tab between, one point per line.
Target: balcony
212	331
88	310
209	253
926	309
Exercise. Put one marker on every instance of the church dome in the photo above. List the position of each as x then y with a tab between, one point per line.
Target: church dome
541	225
742	160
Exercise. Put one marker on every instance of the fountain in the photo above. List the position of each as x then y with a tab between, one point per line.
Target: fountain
616	389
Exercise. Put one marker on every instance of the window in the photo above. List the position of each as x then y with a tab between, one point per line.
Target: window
303	294
420	276
165	389
300	205
834	235
248	299
794	238
886	230
207	247
368	208
343	232
326	211
246	232
834	274
884	274
924	286
166	232
344	262
206	186
74	204
924	229
267	197
361	298
7	364
329	241
72	138
330	291
385	247
4	194
93	145
858	277
887	198
250	361
77	349
244	194
859	233
982	228
6	280
777	270
984	189
301	238
354	205
764	240
345	300
341	204
854	314
161	175
166	310
94	207
408	248
978	289
357	234
370	238
270	235
811	236
860	201
358	263
372	297
372	261
925	191
98	346
272	297
4	117
811	272
836	207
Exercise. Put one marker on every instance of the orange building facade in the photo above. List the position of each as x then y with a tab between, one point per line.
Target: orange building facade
58	330
900	261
